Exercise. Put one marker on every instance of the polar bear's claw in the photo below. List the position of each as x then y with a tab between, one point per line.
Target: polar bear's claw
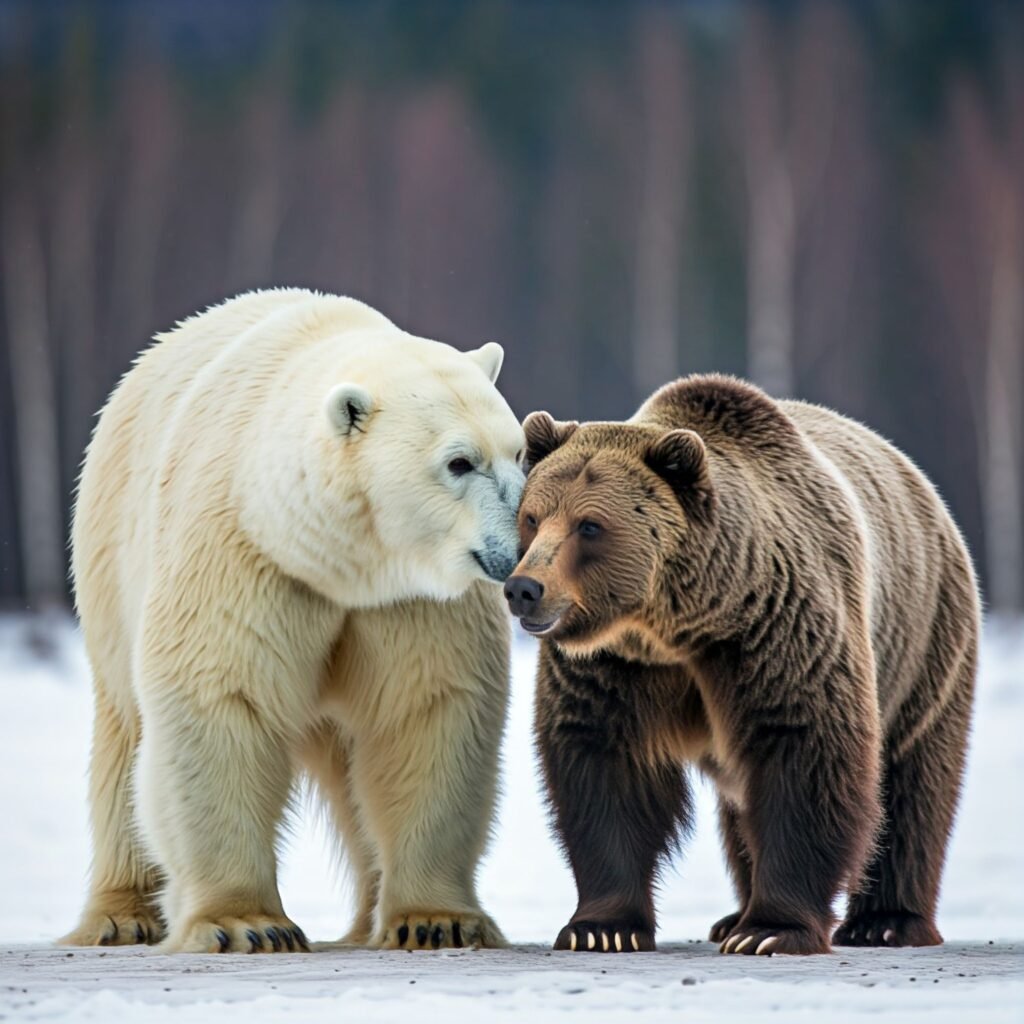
139	926
235	935
439	930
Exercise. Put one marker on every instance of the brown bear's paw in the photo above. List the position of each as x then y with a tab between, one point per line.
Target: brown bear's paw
439	929
256	934
887	928
752	939
720	929
120	928
605	937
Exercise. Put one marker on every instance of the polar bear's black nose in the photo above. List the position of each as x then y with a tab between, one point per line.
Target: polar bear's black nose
522	594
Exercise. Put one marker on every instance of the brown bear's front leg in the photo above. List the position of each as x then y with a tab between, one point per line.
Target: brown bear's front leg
615	814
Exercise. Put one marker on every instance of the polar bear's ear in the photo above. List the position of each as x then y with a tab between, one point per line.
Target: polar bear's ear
489	358
543	435
348	406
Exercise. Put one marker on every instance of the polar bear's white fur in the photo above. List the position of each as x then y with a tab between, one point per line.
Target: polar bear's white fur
285	532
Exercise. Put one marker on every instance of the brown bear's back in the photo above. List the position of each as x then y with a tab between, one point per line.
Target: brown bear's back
919	575
920	569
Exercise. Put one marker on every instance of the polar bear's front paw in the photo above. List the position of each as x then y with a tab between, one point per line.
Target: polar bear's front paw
120	928
428	929
238	935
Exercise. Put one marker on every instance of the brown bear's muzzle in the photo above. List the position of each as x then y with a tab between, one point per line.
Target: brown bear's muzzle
523	594
525	601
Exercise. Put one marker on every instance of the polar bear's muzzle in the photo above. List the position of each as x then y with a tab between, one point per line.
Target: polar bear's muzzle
496	560
496	501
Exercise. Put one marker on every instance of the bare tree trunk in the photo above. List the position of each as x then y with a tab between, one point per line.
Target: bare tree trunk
34	398
74	231
832	152
663	188
771	270
771	278
558	312
251	254
337	171
982	282
151	130
443	224
1004	372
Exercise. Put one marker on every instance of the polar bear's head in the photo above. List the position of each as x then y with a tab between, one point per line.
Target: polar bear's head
428	446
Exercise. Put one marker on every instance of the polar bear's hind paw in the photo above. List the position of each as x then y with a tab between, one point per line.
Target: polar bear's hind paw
98	928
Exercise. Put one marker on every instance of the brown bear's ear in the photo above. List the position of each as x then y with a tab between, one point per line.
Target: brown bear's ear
681	460
544	435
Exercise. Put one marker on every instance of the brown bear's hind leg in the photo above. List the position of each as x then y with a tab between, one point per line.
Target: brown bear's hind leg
810	808
738	859
895	905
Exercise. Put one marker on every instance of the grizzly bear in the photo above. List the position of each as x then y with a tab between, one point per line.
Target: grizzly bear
771	592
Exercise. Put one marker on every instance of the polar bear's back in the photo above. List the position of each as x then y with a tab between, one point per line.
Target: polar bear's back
174	390
166	370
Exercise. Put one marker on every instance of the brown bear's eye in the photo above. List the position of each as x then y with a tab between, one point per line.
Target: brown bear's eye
589	529
531	522
460	467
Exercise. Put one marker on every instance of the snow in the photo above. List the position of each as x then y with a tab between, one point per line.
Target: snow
961	983
45	715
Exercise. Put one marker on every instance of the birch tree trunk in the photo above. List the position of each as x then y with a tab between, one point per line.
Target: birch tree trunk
771	238
1004	373
663	187
151	137
988	292
251	252
74	234
34	396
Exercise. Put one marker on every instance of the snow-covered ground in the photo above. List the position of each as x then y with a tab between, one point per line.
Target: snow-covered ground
45	714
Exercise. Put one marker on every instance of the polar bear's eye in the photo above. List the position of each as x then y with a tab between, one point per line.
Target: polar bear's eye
460	467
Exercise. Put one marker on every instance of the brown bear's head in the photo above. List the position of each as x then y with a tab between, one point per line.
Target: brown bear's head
606	509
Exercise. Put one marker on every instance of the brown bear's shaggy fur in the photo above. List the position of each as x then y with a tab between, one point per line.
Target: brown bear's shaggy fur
775	594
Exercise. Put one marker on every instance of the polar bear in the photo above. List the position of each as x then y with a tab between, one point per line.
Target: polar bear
286	539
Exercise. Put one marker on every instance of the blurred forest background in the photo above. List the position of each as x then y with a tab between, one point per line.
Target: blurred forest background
827	197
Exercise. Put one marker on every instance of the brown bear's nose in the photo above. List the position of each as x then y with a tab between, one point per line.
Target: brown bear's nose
522	594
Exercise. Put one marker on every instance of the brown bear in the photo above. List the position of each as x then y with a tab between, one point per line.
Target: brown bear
771	592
